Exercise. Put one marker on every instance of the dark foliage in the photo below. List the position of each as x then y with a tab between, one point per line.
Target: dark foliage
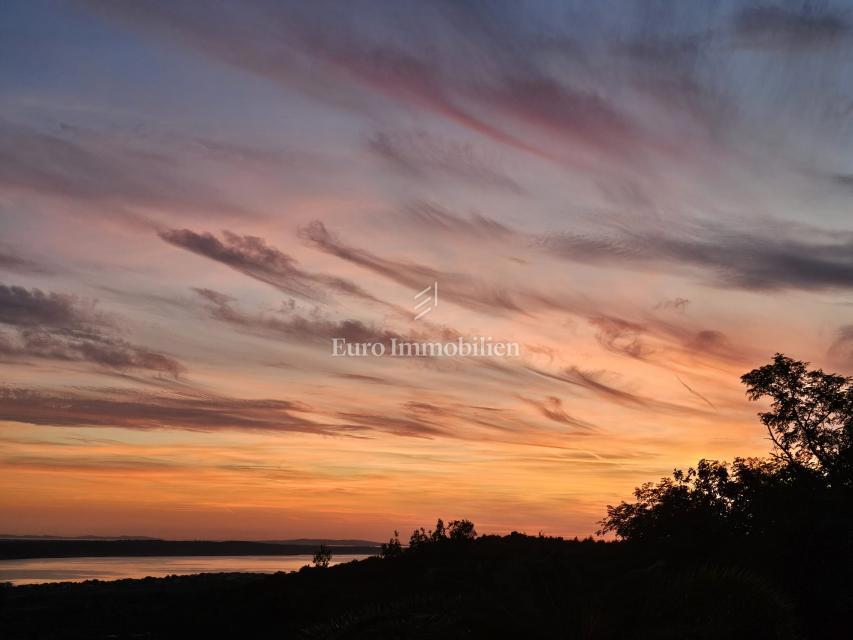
456	530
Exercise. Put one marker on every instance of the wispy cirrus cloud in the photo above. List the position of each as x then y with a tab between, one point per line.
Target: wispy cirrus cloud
464	289
429	216
11	261
95	171
491	96
653	336
596	382
420	154
552	408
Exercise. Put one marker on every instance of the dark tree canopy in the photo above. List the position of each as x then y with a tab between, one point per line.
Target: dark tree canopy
461	530
809	422
455	530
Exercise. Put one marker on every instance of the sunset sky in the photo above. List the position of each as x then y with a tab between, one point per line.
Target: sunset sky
196	198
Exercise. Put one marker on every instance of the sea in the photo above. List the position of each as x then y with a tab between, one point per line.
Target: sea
41	570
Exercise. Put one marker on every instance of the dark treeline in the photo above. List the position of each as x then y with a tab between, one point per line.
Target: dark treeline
760	548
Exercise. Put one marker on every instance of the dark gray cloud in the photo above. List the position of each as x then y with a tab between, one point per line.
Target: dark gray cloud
33	307
63	327
105	351
778	258
249	255
131	410
845	180
252	256
783	27
291	324
781	255
194	410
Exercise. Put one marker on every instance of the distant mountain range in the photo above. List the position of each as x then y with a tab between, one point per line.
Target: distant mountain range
313	542
308	542
39	547
11	536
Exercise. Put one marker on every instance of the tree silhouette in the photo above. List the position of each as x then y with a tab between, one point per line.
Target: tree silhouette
461	530
322	557
392	548
419	538
809	423
439	533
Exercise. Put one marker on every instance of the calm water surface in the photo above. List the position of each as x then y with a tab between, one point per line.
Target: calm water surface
36	570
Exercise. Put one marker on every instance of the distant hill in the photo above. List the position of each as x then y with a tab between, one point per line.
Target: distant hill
11	536
314	542
308	542
76	548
